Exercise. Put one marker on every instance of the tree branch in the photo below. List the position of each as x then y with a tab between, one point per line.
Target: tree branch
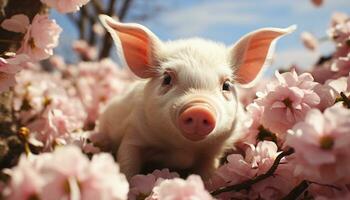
107	42
248	183
345	99
297	191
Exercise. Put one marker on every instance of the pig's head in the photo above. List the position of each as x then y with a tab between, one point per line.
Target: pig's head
190	91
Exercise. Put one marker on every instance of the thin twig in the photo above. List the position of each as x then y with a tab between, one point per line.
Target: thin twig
248	183
124	9
297	191
326	185
107	42
345	99
97	6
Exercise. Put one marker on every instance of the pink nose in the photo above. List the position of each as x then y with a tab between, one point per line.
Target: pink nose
196	122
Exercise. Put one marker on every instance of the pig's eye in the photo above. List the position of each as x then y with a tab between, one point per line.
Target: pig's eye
167	79
226	86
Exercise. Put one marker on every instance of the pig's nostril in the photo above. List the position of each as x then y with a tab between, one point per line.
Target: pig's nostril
189	120
205	122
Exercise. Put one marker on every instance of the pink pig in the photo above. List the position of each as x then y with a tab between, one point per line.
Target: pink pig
184	113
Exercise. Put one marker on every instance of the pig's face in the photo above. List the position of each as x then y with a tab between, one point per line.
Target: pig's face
192	94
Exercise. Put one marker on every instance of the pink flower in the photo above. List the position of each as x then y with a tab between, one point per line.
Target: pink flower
85	50
258	160
339	18
286	102
26	182
66	173
41	37
309	40
65	6
253	129
41	101
142	185
8	68
103	180
17	23
317	2
97	83
179	189
321	145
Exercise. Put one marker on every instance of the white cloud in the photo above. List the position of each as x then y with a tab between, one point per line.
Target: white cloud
300	57
200	17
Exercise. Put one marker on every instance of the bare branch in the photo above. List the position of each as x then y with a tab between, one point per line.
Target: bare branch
97	6
297	191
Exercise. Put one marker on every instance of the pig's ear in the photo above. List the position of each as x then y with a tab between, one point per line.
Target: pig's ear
135	44
253	51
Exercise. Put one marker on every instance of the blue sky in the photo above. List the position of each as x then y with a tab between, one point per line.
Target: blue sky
228	20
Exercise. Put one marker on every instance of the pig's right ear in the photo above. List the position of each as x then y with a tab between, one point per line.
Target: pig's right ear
251	53
135	44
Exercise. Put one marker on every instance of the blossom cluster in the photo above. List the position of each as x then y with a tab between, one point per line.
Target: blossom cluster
66	173
55	107
40	36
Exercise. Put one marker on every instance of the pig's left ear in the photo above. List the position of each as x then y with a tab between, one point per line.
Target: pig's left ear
136	44
250	53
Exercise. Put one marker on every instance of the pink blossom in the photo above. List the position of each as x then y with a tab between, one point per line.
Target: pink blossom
321	145
41	37
309	40
85	50
41	101
98	82
142	185
8	68
287	101
66	173
65	6
26	183
339	18
247	95
102	180
317	2
253	129
179	189
258	160
17	23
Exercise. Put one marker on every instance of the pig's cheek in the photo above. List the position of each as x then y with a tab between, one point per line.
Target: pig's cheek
228	95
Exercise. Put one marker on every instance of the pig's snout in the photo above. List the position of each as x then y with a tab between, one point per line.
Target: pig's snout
197	121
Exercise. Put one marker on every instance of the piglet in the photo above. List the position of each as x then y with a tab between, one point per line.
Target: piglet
184	111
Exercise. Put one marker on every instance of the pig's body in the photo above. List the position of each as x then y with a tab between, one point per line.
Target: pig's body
185	112
125	123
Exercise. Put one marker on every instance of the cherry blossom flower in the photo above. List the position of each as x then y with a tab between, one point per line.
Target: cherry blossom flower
86	51
317	2
41	37
66	173
179	189
309	40
339	18
142	185
17	23
26	183
65	6
8	68
287	101
97	83
321	145
257	160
